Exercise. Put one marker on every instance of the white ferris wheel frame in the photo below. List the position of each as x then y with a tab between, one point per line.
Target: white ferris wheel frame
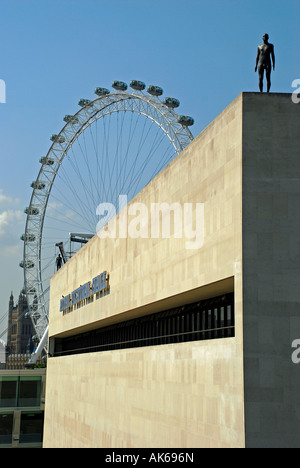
148	105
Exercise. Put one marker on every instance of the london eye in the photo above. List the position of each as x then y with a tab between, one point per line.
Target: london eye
115	144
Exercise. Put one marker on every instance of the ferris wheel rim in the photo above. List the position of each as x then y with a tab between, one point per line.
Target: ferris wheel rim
166	118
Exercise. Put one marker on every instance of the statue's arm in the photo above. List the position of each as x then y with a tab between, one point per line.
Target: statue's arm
257	58
273	57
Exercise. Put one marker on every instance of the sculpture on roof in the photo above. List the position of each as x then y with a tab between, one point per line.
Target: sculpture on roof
264	60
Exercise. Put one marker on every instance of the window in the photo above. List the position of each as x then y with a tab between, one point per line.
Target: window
6	428
31	429
24	391
204	320
8	391
30	391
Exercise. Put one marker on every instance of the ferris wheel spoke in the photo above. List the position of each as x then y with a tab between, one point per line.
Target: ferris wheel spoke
97	159
134	173
140	145
88	187
116	163
78	186
146	162
85	211
131	134
66	221
71	197
93	184
106	140
102	162
64	215
167	157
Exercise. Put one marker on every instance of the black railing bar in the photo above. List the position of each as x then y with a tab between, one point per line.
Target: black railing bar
145	339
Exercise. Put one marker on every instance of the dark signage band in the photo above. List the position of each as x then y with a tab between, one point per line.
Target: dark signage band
98	285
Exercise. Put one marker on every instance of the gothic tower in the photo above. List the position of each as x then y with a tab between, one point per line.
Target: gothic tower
20	329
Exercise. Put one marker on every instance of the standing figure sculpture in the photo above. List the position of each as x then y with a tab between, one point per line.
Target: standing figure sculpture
265	53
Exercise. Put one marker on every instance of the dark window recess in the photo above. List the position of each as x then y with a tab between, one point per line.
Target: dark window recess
6	428
8	391
30	391
204	320
20	391
31	429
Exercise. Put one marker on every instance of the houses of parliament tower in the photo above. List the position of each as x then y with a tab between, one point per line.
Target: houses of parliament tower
20	329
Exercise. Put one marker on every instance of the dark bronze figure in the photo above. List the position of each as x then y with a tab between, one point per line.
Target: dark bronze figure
265	53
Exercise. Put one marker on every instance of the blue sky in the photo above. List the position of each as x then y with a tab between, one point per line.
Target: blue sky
54	52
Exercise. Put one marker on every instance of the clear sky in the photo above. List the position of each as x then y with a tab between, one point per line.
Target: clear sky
54	52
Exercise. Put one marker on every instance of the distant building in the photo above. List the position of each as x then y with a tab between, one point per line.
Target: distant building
20	333
22	402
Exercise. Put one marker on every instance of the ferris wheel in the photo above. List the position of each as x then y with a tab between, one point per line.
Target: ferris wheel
115	144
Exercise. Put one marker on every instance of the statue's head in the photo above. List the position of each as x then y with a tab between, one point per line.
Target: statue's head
265	37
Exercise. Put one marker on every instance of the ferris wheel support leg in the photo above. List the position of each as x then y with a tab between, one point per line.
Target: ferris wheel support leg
39	349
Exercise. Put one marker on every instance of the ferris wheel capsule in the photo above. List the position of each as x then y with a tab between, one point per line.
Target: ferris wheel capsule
71	119
28	237
57	138
137	85
38	185
85	102
28	265
102	91
186	120
47	161
31	211
155	90
119	85
171	102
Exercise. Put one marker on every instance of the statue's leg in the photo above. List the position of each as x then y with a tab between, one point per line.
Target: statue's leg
268	76
261	78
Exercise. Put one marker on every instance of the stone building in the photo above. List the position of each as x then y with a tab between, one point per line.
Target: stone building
153	344
20	329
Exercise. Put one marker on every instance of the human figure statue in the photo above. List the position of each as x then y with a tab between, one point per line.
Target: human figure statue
265	53
58	262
